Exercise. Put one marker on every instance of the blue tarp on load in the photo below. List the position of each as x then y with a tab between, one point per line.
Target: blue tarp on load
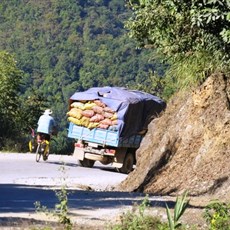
135	109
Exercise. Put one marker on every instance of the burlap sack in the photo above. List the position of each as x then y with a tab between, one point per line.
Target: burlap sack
93	125
115	122
103	126
109	110
106	121
74	120
114	117
89	105
75	112
108	115
97	118
98	109
99	103
78	104
84	121
88	113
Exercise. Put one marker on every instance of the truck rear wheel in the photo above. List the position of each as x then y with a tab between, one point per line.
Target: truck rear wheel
87	163
128	163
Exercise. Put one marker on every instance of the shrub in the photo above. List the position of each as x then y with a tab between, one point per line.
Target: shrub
217	215
137	220
180	207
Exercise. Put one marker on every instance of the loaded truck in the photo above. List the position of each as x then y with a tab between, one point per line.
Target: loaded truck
108	124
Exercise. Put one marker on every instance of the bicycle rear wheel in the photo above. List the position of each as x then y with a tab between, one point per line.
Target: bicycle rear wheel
38	153
45	147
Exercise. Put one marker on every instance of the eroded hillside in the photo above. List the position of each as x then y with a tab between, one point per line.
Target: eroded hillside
188	147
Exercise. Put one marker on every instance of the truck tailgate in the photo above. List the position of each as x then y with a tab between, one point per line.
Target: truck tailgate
103	136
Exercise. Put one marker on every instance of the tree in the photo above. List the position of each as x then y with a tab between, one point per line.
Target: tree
192	36
10	77
31	108
68	46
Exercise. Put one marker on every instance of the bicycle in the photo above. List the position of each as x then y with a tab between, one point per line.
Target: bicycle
42	150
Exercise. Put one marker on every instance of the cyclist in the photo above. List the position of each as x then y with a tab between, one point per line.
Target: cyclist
46	128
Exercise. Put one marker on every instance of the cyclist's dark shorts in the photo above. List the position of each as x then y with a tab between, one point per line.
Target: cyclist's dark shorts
44	136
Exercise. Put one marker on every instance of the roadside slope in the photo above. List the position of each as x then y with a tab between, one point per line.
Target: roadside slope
188	147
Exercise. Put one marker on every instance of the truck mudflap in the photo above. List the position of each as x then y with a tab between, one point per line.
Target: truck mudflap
124	160
79	153
119	157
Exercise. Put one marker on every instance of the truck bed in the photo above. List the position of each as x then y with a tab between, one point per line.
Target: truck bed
103	137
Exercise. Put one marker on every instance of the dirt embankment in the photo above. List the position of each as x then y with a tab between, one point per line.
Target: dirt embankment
188	147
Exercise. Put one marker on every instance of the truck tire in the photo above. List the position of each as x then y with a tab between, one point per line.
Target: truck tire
128	163
87	163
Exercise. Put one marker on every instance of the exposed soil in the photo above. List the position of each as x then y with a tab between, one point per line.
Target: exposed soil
188	147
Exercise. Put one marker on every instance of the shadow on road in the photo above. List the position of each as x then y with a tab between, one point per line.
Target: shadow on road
104	168
61	163
21	198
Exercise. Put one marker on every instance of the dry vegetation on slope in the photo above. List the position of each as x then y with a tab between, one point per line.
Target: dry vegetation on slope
188	147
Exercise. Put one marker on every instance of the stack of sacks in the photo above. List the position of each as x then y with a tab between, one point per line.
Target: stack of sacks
93	114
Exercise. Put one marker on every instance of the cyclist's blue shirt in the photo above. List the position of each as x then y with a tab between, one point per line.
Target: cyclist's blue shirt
46	124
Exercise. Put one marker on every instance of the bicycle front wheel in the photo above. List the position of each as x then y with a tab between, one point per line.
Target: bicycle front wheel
38	153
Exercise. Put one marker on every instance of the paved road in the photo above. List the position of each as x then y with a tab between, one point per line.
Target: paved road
23	169
23	181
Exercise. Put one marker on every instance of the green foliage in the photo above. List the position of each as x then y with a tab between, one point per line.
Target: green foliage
184	33
62	145
41	208
61	208
217	215
137	220
68	46
10	78
179	209
176	27
162	86
193	70
31	107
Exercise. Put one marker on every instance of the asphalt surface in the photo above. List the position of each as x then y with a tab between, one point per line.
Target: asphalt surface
23	182
57	170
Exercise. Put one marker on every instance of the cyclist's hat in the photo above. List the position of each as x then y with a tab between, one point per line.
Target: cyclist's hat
48	112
